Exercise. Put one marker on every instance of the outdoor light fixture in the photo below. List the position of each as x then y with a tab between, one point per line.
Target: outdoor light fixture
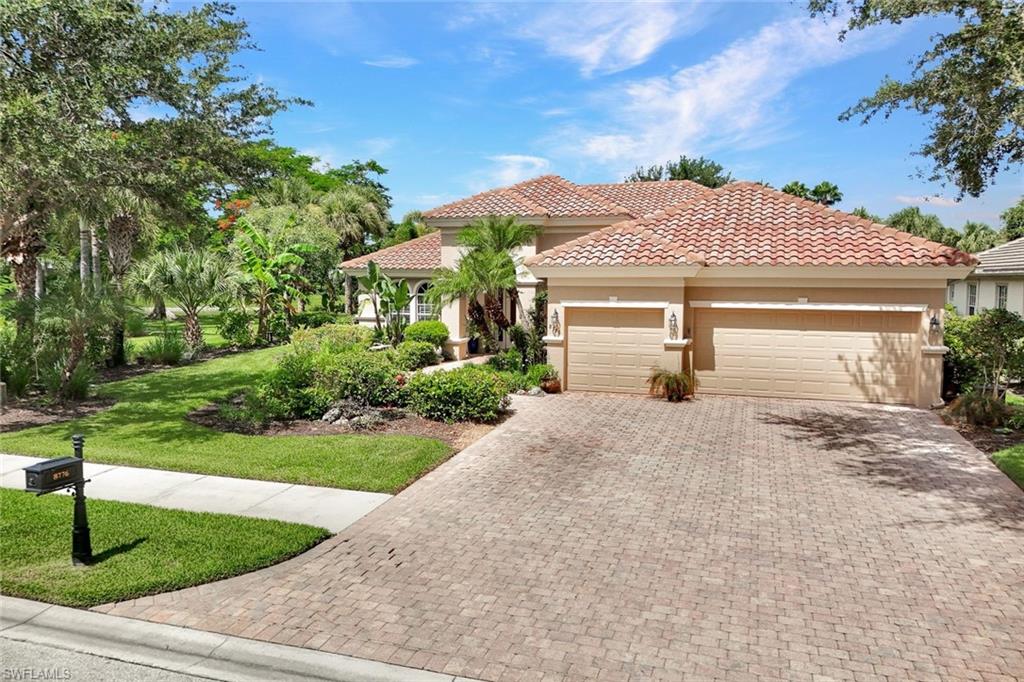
935	324
556	326
673	327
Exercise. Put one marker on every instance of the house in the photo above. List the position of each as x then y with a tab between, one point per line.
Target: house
997	282
757	292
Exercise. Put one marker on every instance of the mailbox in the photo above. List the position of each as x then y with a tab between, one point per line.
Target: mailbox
53	474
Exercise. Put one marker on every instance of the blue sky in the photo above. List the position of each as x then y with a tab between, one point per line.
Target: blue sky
457	98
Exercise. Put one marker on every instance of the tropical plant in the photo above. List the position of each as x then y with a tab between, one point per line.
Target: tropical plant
269	275
980	407
826	193
503	236
370	283
72	322
356	215
797	189
996	341
192	279
165	348
674	386
395	298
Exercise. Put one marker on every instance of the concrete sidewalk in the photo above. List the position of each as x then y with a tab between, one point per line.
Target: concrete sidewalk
329	508
186	651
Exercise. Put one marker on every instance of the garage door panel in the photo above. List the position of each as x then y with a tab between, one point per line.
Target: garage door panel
813	354
613	350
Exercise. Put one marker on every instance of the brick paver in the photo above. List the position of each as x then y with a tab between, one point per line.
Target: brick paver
605	537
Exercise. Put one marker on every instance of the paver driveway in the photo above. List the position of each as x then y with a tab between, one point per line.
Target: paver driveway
595	536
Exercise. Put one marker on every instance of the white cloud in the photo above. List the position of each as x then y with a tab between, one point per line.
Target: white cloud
392	62
734	99
932	200
375	146
508	169
608	37
327	155
556	111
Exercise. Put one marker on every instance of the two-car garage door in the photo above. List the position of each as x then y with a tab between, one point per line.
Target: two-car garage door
807	354
835	355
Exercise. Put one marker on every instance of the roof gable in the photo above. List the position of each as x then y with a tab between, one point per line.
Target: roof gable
745	223
422	253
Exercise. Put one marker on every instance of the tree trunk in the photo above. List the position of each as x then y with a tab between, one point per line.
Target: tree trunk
159	311
494	311
262	313
83	252
514	293
40	283
25	274
76	352
118	357
348	295
97	265
193	332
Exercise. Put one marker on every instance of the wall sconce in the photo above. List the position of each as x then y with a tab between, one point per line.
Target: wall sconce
556	326
673	327
935	324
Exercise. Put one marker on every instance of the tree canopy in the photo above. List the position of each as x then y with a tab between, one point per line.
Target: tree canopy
824	192
969	83
700	170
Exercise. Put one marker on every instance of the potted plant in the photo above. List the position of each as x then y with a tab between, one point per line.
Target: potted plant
673	386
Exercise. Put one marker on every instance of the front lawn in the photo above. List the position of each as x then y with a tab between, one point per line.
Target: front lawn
209	321
1011	461
147	428
137	549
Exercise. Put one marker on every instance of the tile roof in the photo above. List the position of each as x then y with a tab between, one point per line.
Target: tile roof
642	198
1004	259
745	223
422	253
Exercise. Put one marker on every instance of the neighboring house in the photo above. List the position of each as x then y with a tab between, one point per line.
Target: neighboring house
759	292
997	282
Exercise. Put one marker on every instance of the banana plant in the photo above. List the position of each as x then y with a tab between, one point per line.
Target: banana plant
389	298
271	274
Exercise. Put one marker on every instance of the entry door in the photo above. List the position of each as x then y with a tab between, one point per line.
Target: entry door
613	349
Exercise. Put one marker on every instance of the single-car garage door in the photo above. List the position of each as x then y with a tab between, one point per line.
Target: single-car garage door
613	349
807	354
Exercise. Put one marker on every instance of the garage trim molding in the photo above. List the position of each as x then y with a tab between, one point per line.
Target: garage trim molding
839	307
615	304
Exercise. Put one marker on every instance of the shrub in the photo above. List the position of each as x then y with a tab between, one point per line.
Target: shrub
370	378
331	338
134	325
78	385
287	392
980	408
1015	419
464	394
413	355
316	318
515	381
506	361
433	332
166	348
674	386
236	326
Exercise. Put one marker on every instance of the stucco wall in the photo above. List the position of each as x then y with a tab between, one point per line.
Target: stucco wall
987	293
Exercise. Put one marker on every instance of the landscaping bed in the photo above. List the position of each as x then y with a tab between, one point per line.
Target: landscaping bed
138	550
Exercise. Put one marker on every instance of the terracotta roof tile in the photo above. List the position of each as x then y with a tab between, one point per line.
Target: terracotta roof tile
745	223
422	253
548	195
643	198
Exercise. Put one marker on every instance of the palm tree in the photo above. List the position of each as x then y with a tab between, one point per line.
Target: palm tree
193	279
356	215
125	212
480	274
500	236
826	193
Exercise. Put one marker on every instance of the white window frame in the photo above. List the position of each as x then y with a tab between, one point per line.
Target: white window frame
951	291
972	298
424	311
1002	294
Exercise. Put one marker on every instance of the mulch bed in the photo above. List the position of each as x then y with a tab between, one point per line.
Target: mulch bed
23	414
985	439
457	435
106	375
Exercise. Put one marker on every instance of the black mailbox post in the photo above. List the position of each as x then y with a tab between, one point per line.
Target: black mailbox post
58	474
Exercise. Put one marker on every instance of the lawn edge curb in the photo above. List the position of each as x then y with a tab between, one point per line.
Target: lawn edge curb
187	651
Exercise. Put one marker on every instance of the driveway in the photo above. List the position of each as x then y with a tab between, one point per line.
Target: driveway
609	537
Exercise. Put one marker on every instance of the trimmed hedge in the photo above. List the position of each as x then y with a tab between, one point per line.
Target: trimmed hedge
464	394
413	355
433	332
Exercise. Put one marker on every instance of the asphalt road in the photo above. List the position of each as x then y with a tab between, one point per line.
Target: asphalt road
31	662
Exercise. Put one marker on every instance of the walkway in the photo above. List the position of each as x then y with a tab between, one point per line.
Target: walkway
329	508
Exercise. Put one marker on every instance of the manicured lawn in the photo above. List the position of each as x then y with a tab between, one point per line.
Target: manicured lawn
1014	399
138	550
1011	461
147	428
208	321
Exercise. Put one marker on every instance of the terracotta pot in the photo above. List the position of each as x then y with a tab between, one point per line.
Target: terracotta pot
551	386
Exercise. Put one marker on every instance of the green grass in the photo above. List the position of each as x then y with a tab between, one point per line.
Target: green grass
147	428
1014	399
1011	461
137	549
208	321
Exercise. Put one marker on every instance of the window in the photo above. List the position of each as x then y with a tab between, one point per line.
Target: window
1001	291
952	291
424	311
972	298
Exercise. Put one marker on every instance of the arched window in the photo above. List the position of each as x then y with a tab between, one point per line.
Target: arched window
424	311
